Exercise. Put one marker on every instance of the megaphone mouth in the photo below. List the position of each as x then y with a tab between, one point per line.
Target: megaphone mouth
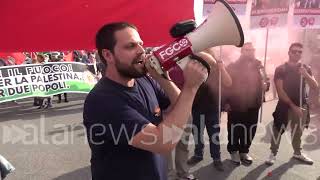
236	21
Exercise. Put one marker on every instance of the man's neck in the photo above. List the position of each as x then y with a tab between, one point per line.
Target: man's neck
293	63
116	77
247	59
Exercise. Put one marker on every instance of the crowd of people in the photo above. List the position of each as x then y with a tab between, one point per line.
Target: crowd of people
87	57
145	105
83	56
131	95
44	103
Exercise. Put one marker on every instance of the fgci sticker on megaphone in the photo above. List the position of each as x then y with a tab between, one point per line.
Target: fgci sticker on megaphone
222	27
169	54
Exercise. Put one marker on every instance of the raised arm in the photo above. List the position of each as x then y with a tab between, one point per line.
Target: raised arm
163	138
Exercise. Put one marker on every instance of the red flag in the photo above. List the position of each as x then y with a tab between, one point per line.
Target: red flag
68	56
19	57
38	25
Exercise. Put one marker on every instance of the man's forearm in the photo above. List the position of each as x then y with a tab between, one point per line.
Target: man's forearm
177	118
164	137
179	111
282	94
170	89
285	98
312	82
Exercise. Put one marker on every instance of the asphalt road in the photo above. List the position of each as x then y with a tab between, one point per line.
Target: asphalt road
51	144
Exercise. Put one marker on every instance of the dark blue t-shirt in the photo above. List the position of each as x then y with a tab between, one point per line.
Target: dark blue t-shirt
113	114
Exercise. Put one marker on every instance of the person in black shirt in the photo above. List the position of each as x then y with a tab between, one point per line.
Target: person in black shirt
244	100
288	111
205	113
2	62
123	114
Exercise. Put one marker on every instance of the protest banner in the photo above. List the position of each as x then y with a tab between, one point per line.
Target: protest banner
306	14
239	6
42	80
269	13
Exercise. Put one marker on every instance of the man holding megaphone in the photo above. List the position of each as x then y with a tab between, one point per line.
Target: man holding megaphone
222	27
123	114
127	131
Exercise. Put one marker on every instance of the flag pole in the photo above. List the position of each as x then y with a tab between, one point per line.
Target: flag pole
301	78
263	73
220	78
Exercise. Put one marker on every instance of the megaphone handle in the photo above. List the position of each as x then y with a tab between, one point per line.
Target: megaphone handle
154	63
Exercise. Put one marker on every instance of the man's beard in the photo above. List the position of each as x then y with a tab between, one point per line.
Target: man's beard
247	57
129	71
294	60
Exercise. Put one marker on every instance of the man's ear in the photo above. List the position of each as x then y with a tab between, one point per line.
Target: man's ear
108	55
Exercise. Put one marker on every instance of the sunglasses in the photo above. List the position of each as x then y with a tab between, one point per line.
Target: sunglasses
296	51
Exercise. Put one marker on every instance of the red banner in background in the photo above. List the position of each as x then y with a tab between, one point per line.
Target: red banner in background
38	25
18	57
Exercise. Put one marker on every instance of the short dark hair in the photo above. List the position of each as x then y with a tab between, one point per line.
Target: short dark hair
2	62
105	37
296	44
41	55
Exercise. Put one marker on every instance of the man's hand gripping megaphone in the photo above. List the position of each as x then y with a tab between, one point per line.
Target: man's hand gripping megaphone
177	53
221	27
